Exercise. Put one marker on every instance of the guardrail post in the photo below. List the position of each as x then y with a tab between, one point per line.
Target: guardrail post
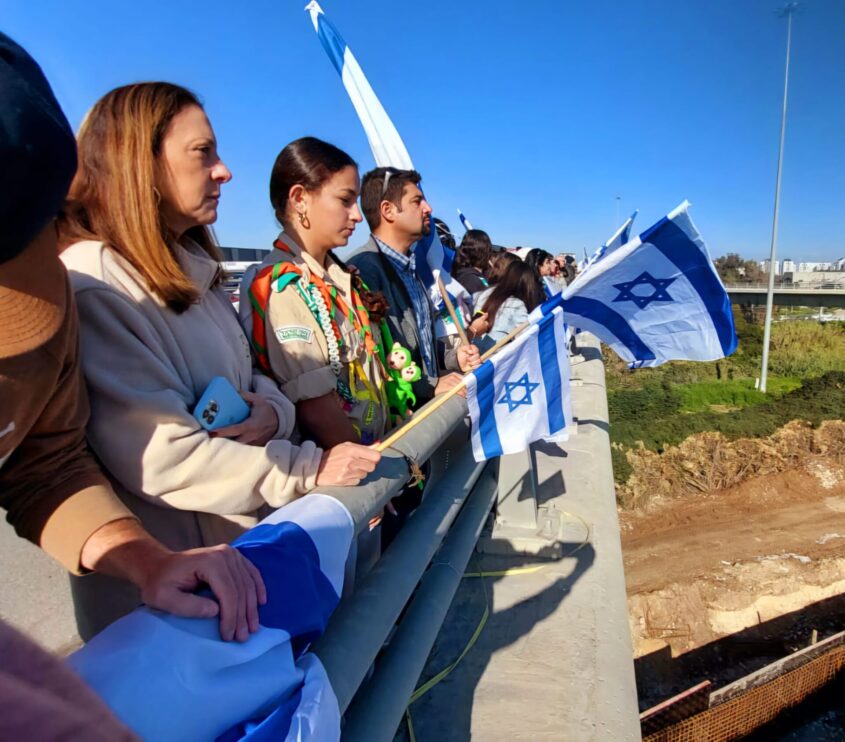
521	525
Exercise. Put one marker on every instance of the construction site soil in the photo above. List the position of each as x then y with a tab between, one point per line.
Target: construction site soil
722	583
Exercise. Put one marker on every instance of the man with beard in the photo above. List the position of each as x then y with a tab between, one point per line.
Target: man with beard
398	216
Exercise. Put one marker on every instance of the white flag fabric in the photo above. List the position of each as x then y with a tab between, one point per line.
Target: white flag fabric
385	142
170	678
620	237
389	150
656	299
521	394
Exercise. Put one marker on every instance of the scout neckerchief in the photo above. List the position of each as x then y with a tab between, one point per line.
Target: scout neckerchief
285	273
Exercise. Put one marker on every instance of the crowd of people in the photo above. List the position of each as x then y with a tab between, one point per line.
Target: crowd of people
113	322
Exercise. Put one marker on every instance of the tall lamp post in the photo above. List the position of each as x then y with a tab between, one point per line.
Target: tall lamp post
616	223
787	10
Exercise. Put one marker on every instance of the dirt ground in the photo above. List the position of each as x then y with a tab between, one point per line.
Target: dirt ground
703	567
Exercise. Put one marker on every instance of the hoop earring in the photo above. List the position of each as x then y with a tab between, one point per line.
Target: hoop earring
157	196
304	220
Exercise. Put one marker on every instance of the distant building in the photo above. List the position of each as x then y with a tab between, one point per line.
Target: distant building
788	266
764	266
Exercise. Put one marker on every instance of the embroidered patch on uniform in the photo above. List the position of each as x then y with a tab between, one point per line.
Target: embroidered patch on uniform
289	334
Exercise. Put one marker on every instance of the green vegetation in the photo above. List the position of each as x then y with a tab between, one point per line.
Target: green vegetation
663	406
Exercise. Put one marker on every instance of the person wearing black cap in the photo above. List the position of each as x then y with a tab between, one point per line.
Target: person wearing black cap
50	485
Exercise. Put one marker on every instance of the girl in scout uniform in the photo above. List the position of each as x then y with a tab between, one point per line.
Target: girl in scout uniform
313	323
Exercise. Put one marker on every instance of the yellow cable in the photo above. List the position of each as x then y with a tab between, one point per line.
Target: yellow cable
426	687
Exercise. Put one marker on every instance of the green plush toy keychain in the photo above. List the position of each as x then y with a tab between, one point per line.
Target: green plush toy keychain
403	373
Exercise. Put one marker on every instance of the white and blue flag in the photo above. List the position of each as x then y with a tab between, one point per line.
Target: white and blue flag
172	679
620	237
656	299
521	394
432	259
464	221
385	142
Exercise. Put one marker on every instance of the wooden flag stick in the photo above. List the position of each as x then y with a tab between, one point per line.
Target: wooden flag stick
505	340
441	399
448	302
418	417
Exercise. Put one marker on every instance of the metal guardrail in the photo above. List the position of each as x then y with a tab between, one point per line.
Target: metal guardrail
797	288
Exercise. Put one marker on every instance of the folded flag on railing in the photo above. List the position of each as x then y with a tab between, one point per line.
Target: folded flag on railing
620	237
388	148
170	678
521	394
464	221
656	299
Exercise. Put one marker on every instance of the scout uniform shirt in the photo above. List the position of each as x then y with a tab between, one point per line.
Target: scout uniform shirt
298	353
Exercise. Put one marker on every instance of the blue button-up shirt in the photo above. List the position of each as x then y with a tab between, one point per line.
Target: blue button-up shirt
405	266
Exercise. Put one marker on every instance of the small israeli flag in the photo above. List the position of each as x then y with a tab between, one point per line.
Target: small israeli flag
620	237
656	299
433	259
464	221
171	679
522	394
385	142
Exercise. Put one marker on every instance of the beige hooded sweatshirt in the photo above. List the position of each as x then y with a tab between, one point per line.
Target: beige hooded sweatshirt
145	367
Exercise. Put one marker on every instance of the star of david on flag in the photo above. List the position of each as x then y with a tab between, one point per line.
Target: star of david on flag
656	299
521	394
509	398
659	285
171	679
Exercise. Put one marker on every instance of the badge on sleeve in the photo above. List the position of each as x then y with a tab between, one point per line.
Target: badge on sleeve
292	333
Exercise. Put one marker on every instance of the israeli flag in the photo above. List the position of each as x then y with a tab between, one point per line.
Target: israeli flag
432	259
170	678
385	142
656	299
620	237
464	221
522	394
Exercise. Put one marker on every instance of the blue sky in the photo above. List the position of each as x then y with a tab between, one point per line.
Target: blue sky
530	117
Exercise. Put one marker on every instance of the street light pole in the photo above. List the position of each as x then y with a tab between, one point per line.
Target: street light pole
616	224
787	11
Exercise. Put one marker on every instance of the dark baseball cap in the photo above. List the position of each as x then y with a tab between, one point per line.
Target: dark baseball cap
37	150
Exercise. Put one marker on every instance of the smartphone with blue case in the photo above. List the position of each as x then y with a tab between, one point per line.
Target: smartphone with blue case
220	405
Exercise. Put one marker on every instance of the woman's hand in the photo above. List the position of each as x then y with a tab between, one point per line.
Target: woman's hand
469	358
258	429
346	465
479	326
445	383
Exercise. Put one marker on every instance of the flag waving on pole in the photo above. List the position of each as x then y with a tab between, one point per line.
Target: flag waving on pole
620	237
467	226
521	394
656	299
385	142
388	148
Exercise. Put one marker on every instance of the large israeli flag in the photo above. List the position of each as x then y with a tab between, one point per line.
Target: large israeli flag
388	149
170	678
385	142
656	299
620	237
522	394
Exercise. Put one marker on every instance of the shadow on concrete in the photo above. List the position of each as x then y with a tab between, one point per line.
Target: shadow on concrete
587	354
445	713
601	424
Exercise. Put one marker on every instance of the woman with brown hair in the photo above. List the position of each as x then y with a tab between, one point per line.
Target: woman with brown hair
316	327
156	328
510	301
